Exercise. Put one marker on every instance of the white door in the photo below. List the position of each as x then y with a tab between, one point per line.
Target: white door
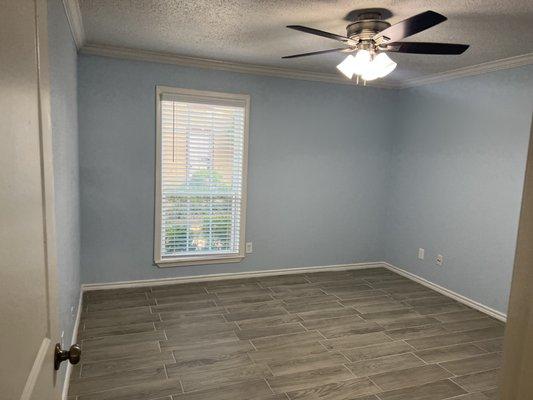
28	313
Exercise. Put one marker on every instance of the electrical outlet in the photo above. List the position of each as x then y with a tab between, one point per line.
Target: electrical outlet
72	311
249	247
439	260
421	253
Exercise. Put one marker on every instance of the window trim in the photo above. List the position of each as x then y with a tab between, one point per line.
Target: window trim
200	259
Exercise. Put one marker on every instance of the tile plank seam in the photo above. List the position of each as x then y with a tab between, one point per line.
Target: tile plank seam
300	323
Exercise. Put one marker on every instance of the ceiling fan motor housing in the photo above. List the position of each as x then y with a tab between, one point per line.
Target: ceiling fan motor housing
372	33
366	27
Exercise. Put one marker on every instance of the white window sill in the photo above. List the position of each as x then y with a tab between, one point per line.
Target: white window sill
200	260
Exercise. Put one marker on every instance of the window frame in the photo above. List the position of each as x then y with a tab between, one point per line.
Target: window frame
200	259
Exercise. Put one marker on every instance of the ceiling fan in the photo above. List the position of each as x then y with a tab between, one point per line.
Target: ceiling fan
370	38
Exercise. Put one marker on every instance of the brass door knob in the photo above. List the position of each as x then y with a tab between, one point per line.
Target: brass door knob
73	355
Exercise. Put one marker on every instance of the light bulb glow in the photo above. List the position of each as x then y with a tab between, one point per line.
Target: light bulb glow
362	61
347	66
383	65
370	76
368	68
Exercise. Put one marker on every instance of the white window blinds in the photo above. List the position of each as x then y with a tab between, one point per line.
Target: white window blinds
201	157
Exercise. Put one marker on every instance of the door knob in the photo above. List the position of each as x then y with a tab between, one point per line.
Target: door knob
73	355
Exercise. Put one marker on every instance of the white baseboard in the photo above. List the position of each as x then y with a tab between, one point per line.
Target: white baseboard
229	275
282	271
75	330
449	293
286	271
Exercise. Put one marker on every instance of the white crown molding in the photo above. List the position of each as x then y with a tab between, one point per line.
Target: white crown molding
491	66
185	61
75	21
74	17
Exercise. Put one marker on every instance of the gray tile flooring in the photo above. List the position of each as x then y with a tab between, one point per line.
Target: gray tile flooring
361	334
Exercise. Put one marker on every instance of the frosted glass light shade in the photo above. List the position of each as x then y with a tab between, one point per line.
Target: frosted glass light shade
362	62
380	66
369	76
347	66
355	65
363	65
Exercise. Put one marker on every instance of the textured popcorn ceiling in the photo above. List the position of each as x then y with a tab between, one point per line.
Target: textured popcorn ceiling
254	32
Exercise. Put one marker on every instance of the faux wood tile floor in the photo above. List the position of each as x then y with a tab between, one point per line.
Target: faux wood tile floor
361	334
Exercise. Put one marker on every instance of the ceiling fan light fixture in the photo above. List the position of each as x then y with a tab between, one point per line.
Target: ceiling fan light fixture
367	67
356	65
381	66
369	76
384	64
369	36
347	66
362	62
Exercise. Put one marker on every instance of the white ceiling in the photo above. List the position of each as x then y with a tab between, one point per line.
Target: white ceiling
253	32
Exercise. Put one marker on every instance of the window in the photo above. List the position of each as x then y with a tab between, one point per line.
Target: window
201	176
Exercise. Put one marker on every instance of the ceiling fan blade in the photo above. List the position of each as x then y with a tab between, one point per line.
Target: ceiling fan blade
314	53
410	26
318	32
427	48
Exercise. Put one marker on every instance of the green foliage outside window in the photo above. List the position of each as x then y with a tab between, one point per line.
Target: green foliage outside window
200	215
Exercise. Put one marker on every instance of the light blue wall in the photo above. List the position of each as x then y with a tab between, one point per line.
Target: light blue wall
318	164
336	175
457	169
63	81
